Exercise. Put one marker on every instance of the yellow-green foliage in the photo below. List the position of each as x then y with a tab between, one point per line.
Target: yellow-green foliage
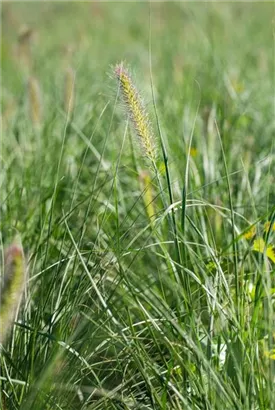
12	287
259	245
136	111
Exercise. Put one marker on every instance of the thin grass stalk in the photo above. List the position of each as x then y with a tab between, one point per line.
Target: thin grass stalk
232	216
148	197
184	280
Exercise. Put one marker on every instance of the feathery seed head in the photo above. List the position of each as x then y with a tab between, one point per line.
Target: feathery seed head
12	286
136	110
35	105
25	34
25	39
8	112
69	91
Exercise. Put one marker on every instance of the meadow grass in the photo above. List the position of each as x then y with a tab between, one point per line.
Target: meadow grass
148	287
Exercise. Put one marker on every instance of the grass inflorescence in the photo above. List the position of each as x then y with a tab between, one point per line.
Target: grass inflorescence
35	101
135	108
13	280
69	95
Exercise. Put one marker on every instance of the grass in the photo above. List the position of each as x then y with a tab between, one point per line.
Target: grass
147	289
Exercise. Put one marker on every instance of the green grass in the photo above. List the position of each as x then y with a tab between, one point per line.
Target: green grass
123	310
